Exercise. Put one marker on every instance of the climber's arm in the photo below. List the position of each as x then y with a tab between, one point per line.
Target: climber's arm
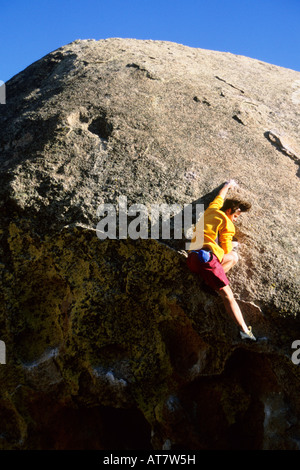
228	185
225	239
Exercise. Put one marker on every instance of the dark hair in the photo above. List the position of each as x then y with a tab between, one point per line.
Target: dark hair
235	204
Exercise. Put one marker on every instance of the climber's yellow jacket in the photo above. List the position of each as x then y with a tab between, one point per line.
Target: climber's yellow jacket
218	230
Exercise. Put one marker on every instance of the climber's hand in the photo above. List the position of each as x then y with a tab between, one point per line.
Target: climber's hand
231	184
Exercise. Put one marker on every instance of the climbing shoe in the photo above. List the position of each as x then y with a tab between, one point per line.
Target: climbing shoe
248	335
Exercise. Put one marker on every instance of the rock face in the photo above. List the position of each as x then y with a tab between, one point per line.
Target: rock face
114	344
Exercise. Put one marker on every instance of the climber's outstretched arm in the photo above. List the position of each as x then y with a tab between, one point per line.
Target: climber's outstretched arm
228	185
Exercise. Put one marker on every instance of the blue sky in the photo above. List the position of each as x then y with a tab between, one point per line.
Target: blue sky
267	30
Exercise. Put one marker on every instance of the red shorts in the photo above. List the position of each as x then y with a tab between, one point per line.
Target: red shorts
211	272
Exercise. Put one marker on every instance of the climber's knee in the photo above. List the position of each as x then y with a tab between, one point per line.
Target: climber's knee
235	257
229	260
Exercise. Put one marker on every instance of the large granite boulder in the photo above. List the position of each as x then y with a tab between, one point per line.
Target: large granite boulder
113	343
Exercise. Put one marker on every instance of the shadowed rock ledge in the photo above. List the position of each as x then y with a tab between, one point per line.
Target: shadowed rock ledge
114	344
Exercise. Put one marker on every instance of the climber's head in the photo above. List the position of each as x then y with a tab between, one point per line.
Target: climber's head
234	207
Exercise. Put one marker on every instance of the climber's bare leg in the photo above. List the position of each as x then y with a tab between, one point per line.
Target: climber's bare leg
232	307
229	260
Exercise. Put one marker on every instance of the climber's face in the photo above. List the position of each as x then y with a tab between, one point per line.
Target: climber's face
233	216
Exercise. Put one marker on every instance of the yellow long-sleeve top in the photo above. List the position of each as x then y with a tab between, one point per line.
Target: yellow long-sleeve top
218	229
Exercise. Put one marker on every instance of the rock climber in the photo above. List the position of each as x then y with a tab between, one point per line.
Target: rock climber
217	255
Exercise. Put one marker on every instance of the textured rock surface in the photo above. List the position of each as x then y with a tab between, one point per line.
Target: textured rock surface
117	334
